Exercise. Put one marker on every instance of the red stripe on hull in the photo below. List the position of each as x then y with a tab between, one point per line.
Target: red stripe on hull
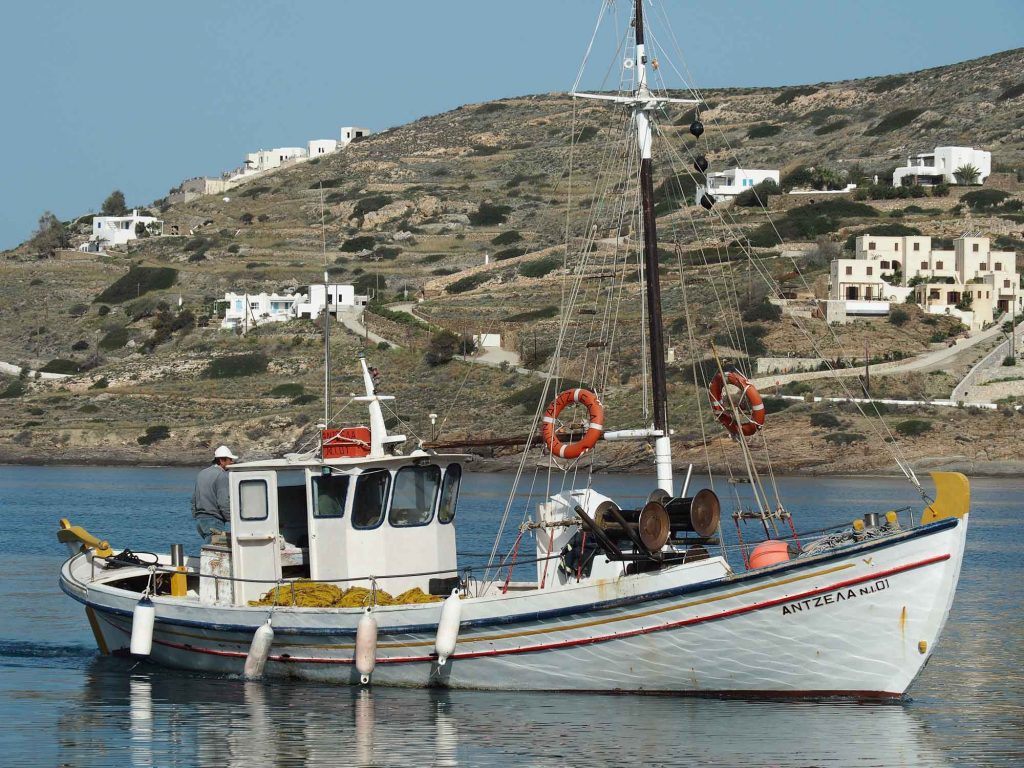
287	659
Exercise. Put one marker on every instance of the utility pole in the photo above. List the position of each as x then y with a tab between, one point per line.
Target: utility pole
867	371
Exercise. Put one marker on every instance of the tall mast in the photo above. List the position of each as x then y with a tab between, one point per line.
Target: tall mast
642	104
641	110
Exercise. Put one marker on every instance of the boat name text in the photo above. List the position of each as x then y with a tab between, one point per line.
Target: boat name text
834	597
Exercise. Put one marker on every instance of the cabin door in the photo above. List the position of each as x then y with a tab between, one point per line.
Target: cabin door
328	526
255	553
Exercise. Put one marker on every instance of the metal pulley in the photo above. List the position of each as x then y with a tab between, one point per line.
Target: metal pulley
707	201
700	164
697	128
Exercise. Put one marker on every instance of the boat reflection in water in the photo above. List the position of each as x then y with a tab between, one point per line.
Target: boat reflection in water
179	719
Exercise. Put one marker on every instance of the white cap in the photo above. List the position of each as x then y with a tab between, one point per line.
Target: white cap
223	452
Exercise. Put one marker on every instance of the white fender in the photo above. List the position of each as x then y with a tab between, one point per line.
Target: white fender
448	627
366	646
259	650
143	618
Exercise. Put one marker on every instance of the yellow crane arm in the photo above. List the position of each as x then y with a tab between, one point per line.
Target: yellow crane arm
70	534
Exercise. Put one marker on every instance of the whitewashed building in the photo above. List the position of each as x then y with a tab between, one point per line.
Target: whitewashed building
342	298
320	147
248	310
939	166
886	269
350	133
725	185
266	159
118	230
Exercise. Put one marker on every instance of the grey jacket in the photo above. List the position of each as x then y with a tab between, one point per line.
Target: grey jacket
211	494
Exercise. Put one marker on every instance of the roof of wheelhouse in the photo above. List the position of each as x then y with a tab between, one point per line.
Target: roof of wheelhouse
301	462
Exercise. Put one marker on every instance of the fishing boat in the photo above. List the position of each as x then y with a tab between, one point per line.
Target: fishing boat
342	563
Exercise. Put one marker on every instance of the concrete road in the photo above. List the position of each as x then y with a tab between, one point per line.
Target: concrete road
994	359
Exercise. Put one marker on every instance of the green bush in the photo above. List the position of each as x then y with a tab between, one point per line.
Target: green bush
790	94
824	420
1009	361
912	427
893	121
489	215
506	238
809	222
61	365
16	388
234	366
797	388
763	131
587	133
444	345
508	253
468	283
838	125
776	404
529	396
1012	92
254	192
483	150
540	267
984	199
290	389
891	83
114	339
304	399
154	435
101	383
362	243
763	311
844	438
433	258
369	205
542	313
138	281
757	196
899	317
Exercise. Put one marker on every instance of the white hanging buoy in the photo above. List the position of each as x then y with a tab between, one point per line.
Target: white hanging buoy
143	619
366	646
448	627
259	651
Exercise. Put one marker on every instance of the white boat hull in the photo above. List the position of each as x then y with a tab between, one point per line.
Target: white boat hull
861	621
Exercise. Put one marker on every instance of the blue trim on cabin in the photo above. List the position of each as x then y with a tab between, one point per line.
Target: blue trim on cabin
537	616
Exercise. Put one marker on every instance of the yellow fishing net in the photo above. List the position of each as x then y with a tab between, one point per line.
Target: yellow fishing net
311	594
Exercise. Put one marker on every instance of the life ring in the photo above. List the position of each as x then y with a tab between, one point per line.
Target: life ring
755	413
595	416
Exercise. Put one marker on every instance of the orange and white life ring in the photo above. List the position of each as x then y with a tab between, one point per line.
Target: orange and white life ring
595	426
749	405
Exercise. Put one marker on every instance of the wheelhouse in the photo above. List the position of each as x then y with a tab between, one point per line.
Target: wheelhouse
386	522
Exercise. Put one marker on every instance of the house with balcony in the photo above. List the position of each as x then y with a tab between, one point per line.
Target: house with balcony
971	281
940	165
725	185
249	310
117	230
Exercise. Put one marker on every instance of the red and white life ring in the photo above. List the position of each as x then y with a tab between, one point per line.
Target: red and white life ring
753	410
595	417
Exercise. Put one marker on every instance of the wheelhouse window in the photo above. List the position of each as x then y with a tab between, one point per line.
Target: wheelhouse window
252	500
370	498
449	493
415	493
329	492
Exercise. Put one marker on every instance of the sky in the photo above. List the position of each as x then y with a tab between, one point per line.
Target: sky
139	96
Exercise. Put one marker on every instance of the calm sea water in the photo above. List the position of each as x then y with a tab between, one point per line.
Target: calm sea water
62	705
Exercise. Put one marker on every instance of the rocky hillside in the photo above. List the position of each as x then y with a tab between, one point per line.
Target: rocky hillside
416	212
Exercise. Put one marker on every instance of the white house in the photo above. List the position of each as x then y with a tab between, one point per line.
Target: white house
248	310
118	230
725	185
350	133
318	147
939	166
266	159
342	297
890	269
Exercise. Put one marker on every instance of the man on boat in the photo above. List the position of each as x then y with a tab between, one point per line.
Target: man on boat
210	499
